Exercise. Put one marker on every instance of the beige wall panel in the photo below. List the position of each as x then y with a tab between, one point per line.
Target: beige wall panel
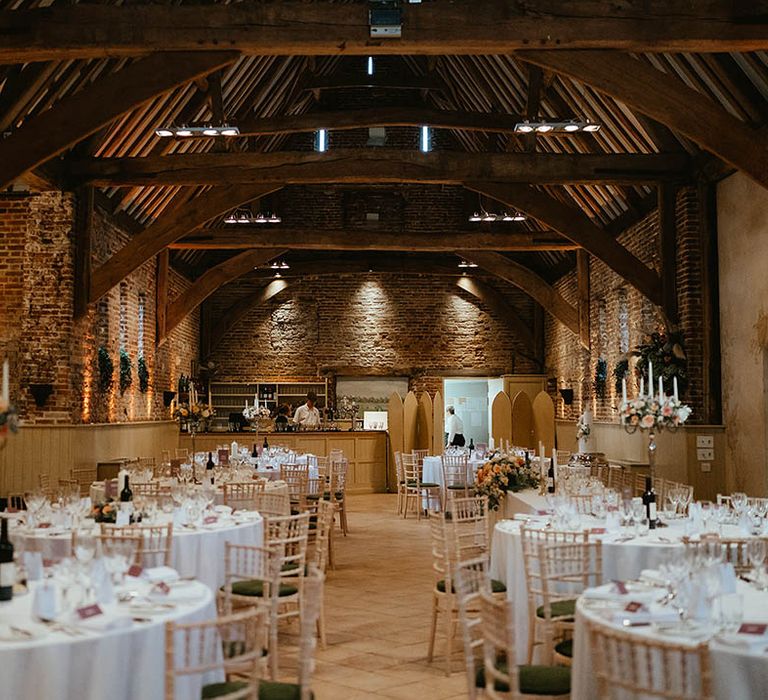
410	410
501	419
543	422
522	420
426	422
438	427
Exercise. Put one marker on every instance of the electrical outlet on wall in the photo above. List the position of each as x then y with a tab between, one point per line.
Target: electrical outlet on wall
705	441
705	455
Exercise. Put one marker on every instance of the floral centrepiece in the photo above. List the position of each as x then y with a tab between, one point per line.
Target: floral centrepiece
502	473
104	512
254	413
648	412
195	413
582	429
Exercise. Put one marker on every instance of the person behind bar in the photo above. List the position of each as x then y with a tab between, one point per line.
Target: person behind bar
307	417
282	422
454	426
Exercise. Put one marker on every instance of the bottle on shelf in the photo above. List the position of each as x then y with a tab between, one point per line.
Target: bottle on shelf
551	477
266	444
255	453
7	567
471	445
209	465
126	495
649	500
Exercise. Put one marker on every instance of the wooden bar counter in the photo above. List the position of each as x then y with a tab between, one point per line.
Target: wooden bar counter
366	451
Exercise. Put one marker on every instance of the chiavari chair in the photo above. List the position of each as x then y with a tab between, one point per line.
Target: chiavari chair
631	665
470	529
150	489
567	570
45	484
268	503
502	677
724	501
297	478
337	492
400	476
456	480
156	541
582	503
242	495
420	455
470	579
414	486
732	550
128	545
252	579
540	627
85	475
318	553
231	643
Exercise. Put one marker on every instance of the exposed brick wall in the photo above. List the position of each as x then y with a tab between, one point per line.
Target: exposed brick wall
575	367
45	345
377	324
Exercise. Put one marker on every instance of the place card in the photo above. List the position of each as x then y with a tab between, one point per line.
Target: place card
634	607
135	571
89	611
621	587
597	531
753	628
223	458
542	512
123	518
162	587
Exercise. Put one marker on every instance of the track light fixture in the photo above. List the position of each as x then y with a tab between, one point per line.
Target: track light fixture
209	131
490	217
244	216
555	127
466	263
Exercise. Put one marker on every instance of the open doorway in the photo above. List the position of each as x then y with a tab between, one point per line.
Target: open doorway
472	399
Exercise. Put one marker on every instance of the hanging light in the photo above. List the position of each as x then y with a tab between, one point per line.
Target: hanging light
260	218
284	265
559	126
466	263
475	217
274	219
489	217
208	130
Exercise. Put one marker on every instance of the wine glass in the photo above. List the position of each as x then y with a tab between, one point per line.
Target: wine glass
739	501
84	546
756	552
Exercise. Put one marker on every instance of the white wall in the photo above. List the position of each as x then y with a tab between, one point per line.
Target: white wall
469	397
742	222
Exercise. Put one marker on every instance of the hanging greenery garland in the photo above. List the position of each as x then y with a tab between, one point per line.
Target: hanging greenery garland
126	378
106	370
601	377
143	372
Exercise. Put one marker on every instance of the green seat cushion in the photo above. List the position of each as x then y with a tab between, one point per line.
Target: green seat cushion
496	586
271	690
216	690
565	648
313	496
458	486
268	690
254	587
534	680
561	608
327	495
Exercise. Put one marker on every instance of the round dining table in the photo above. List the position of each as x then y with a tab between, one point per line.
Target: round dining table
738	662
90	661
196	551
624	554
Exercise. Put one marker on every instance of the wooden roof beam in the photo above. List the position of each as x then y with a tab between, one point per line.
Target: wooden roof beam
184	218
214	278
365	118
83	113
573	224
666	99
533	285
245	236
381	166
321	28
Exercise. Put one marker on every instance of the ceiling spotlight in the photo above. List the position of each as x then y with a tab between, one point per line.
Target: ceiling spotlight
524	128
590	126
476	217
274	219
518	216
466	263
277	274
489	217
572	126
184	132
210	132
507	217
231	219
260	218
555	126
164	133
544	128
230	131
284	265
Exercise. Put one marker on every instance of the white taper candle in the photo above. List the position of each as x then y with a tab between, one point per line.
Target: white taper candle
624	389
650	378
674	387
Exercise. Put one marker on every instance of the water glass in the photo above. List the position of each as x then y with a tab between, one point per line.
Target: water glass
756	552
729	612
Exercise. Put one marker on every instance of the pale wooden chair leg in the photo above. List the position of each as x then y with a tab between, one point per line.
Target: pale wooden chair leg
331	558
321	624
343	516
273	666
433	629
531	636
449	632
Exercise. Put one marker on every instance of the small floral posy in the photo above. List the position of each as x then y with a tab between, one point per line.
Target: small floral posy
582	429
502	473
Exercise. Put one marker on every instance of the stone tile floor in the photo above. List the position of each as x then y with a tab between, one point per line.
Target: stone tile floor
378	604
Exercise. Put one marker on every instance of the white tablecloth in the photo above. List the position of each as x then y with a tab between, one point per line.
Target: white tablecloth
98	492
123	664
197	553
621	560
737	673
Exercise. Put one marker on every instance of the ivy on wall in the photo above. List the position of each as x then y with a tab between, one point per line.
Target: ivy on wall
143	372
126	376
106	370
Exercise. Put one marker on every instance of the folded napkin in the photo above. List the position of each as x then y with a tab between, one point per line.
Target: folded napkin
160	573
645	616
610	591
653	577
226	510
180	592
106	622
